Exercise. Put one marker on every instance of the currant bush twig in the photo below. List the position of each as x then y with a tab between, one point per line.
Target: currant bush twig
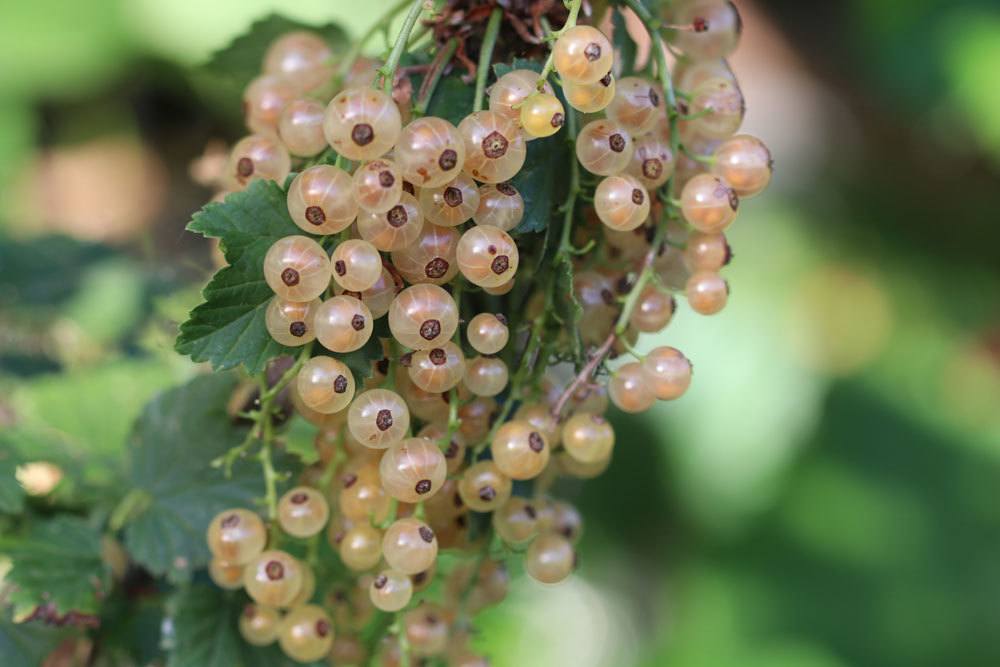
485	56
380	24
433	76
574	12
388	70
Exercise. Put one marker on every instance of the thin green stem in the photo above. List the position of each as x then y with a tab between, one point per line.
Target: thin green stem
485	56
433	76
574	12
388	70
352	55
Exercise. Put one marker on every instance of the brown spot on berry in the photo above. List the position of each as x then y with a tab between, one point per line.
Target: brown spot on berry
426	534
290	277
531	512
315	215
406	360
380	581
408	188
501	318
299	498
297	329
608	297
322	628
652	168
558	120
340	267
500	264
437	356
448	159
700	24
274	570
340	384
495	145
386	179
419	578
436	268
452	450
456	500
638	196
592	52
382	366
362	134
249	611
606	80
397	216
358	322
597	419
244	168
487	493
430	329
654	97
423	486
506	189
350	479
536	442
452	196
230	521
383	420
729	255
616	142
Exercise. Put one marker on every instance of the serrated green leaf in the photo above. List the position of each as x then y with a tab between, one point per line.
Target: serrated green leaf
57	562
228	328
243	59
205	632
28	644
170	454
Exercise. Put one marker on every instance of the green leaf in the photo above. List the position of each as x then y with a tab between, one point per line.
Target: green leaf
176	490
623	42
243	59
205	632
452	99
228	329
28	644
11	491
57	562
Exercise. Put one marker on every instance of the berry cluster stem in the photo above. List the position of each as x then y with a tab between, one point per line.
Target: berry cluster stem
352	55
388	70
485	56
433	76
574	12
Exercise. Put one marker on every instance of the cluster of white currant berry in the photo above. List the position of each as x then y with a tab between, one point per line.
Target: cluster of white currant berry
403	217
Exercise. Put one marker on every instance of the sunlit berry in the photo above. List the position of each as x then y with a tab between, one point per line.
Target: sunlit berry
325	384
516	522
236	536
494	147
264	100
629	390
483	487
486	375
500	205
426	630
391	590
437	369
476	416
621	202
306	633
377	185
652	162
430	152
395	229
362	123
744	162
550	558
291	323
582	54
519	450
378	418
604	147
320	200
715	29
668	372
356	264
487	256
590	97
257	156
413	470
302	512
718	108
377	297
304	58
512	89
487	333
225	575
259	624
343	324
451	204
588	437
300	127
273	578
707	251
653	310
423	317
637	105
409	546
453	450
707	292
431	258
542	115
689	73
709	204
361	547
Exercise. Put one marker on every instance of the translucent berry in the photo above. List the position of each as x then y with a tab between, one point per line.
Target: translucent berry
301	127
264	100
604	147
236	536
487	256
653	310
494	146
621	202
391	590
486	375
225	575
744	162
512	89
629	390
438	369
257	156
688	73
709	204
320	200
413	470
569	466
273	578
377	185
707	292
718	107
343	324
637	105
430	152
361	547
362	497
259	624
423	317
590	97
454	452
308	587
707	251
431	258
502	289
542	115
304	58
356	264
588	437
476	416
652	162
409	546
426	630
362	123
394	229
291	323
668	372
306	633
487	333
377	297
550	558
716	28
516	522
500	205
302	512
451	204
325	384
483	487
540	418
378	418
582	54
520	451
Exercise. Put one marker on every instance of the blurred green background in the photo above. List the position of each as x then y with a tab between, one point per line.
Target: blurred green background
828	492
